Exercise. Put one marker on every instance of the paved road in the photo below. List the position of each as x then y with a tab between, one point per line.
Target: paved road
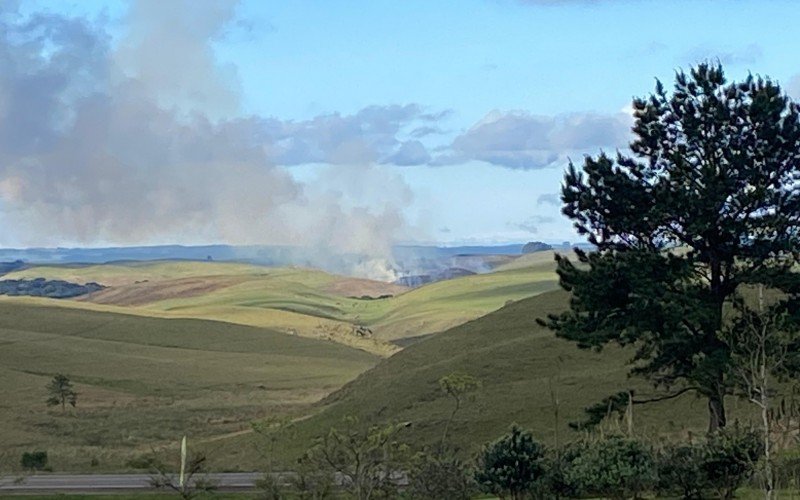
112	482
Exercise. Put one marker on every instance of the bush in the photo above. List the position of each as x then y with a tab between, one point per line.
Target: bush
269	488
680	471
616	467
719	465
311	483
556	482
439	477
34	460
787	472
730	458
367	461
513	466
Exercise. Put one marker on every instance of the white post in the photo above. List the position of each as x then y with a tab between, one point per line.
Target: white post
183	462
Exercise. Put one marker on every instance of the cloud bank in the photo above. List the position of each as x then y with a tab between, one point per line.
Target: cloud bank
521	140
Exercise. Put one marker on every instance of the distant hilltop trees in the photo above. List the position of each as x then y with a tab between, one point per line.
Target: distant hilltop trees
536	246
7	267
40	287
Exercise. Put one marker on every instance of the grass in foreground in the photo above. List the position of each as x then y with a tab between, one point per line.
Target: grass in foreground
145	382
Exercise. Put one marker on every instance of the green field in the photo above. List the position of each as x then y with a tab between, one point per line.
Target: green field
302	301
519	364
149	370
202	348
144	382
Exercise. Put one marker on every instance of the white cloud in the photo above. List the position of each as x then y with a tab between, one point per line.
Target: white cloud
521	140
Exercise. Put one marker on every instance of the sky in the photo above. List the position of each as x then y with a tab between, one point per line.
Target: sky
349	124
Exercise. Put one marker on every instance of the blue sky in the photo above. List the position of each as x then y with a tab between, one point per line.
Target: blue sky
471	107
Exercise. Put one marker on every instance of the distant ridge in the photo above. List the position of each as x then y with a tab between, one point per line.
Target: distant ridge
263	254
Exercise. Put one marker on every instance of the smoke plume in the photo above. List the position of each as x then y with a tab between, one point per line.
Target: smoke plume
143	141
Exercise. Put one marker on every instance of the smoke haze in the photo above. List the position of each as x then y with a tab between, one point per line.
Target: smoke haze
144	142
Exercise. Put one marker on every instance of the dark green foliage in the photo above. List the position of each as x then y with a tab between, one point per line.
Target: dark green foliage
40	287
557	482
787	472
616	467
707	203
513	466
34	460
680	470
719	465
60	392
731	458
596	413
440	476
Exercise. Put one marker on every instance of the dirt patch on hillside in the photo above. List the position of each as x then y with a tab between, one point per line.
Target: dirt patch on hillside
146	292
356	287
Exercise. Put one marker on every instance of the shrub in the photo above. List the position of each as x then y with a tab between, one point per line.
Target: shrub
730	458
787	472
311	483
616	467
439	477
719	465
34	460
269	488
367	461
680	471
513	466
556	482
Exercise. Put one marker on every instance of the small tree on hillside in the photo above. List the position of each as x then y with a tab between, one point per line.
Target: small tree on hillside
513	466
707	203
60	392
458	386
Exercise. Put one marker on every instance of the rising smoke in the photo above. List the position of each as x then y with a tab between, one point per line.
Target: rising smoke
142	141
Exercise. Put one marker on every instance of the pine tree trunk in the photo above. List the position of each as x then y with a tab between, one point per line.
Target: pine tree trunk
716	412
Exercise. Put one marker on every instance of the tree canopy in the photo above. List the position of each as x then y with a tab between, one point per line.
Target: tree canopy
705	204
60	392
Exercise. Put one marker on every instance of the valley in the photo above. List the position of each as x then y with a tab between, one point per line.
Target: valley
205	348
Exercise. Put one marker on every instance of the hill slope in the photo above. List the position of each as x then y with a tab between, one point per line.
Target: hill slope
519	364
145	381
307	302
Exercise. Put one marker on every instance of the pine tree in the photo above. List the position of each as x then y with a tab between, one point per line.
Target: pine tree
705	205
61	392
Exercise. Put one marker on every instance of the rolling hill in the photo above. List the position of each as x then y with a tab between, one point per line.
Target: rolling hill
146	381
523	369
205	348
300	301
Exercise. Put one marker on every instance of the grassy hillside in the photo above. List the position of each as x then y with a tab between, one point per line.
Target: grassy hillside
306	302
124	273
143	382
439	306
521	365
